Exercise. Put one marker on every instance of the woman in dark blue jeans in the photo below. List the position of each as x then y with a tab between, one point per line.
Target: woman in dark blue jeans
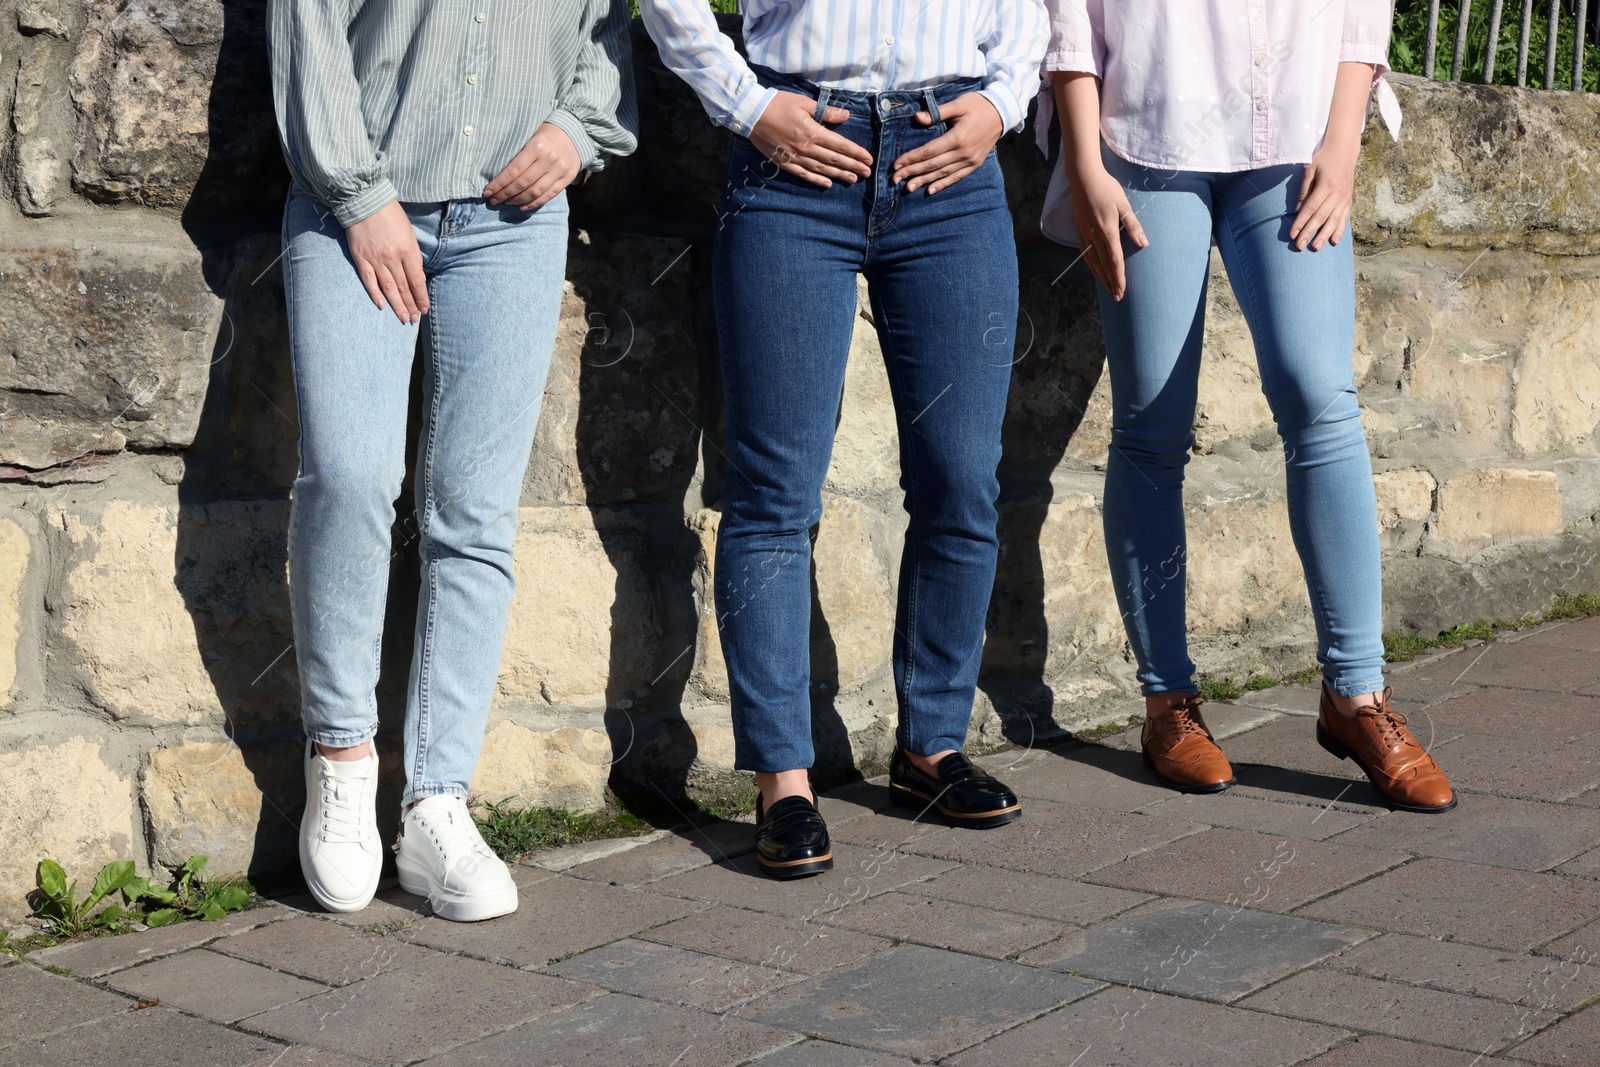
864	140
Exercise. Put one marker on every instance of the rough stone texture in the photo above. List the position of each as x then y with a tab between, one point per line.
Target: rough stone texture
64	802
563	767
14	552
215	987
234	805
106	338
671	974
1497	503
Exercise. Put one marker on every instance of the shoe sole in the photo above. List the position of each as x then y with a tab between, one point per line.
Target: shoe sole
1184	787
913	798
462	910
1338	748
334	904
797	868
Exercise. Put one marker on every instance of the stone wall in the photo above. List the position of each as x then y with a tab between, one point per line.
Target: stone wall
147	441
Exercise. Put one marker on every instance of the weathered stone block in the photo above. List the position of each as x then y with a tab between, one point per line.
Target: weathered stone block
14	552
1243	570
39	108
1483	166
212	797
1404	496
174	102
1556	381
177	613
105	342
585	623
1495	503
1231	401
1579	483
852	618
64	802
866	445
564	767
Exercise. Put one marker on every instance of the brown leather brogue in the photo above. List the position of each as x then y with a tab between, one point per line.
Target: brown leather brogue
1179	748
1394	760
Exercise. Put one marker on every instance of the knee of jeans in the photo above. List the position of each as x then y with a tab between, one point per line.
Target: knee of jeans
1153	445
347	479
751	509
1306	401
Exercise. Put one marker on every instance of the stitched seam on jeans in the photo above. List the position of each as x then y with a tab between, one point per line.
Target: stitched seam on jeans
913	544
424	653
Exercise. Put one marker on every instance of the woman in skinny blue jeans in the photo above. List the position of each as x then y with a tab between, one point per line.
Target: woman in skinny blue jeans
1179	128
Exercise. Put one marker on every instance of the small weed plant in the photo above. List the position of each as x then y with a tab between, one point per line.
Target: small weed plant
66	915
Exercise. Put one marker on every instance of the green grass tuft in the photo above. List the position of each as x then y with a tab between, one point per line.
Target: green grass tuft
515	832
1399	646
1213	688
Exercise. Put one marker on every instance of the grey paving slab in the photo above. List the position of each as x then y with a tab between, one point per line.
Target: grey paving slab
853	800
1586	865
1057	839
1529	664
391	906
1500	831
805	946
554	918
814	1053
890	827
672	974
1123	1027
1064	899
1435	677
1237	812
1195	949
857	873
565	857
412	1013
1237	867
916	1001
38	1002
1582	635
909	916
1361	1003
1288	742
1588	799
307	1056
1285	785
1581	946
1468	902
1519	713
615	1030
1372	1050
326	952
103	955
1527	767
680	851
154	1037
212	985
1287	699
1532	981
1572	1042
1093	776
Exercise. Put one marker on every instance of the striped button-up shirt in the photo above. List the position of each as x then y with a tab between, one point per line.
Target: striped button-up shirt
864	45
427	100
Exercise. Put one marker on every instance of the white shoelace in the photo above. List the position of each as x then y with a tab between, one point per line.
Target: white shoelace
341	821
455	835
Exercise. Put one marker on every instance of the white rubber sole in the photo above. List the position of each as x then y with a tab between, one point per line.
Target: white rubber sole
329	901
456	907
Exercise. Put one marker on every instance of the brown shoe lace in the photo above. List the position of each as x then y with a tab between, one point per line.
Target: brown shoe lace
1391	724
1185	718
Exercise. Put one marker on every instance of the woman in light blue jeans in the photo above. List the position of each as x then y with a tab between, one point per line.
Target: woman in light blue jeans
1180	128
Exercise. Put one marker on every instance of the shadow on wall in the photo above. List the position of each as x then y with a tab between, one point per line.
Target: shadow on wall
643	404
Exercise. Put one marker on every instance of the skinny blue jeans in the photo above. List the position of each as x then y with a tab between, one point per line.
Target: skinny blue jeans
494	290
1300	307
942	275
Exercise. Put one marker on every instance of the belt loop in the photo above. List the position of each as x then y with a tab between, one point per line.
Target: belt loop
931	105
823	92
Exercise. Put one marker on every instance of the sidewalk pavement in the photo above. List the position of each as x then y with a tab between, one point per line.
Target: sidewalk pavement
1291	920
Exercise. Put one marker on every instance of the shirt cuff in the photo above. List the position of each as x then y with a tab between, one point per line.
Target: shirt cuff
1356	52
365	203
1012	113
748	111
1062	59
572	126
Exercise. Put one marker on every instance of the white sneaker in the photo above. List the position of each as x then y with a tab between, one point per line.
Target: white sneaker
440	855
341	854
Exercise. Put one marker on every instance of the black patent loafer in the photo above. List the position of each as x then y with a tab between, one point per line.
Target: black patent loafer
960	792
792	839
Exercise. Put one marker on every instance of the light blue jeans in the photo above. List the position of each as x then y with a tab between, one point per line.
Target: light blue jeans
494	290
1300	307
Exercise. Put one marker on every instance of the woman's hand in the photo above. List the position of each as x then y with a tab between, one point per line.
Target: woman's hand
384	247
545	166
975	128
1101	209
1327	192
787	134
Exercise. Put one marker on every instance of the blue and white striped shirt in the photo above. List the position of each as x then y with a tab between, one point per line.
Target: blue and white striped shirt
865	45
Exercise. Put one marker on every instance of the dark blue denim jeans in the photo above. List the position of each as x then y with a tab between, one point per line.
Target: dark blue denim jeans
942	275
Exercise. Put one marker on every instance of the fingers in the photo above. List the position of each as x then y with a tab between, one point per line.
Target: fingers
1307	177
1130	223
823	139
923	171
1331	229
416	281
1116	276
399	295
947	177
834	115
369	282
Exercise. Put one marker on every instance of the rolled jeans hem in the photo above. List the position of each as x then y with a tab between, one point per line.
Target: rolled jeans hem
1155	689
423	792
342	738
1362	685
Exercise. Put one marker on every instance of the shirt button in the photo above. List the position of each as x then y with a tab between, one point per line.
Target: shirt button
889	40
467	131
472	79
482	16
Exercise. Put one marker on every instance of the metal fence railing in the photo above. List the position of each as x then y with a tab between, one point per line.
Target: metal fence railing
1481	44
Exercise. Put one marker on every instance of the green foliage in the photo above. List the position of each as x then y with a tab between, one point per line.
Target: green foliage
1408	47
1213	688
191	896
515	832
1399	646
